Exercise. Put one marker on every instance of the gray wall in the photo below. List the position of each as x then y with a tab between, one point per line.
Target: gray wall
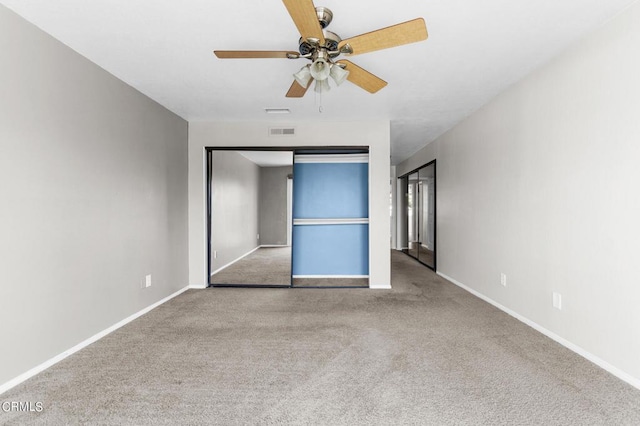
273	205
542	185
234	207
93	196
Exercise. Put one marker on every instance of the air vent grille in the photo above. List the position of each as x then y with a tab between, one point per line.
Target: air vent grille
282	131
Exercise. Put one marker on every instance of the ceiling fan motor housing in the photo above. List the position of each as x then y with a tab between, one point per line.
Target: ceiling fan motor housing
331	43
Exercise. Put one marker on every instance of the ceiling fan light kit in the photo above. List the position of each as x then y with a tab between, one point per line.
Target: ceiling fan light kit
322	86
321	47
320	67
303	77
338	74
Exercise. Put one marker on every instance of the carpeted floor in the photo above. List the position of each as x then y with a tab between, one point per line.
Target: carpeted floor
424	353
265	266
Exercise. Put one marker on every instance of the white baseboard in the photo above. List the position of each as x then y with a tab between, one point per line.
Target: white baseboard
272	245
38	369
331	276
633	381
234	261
197	286
380	287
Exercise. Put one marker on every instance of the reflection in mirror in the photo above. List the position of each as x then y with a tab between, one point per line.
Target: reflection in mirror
413	215
250	207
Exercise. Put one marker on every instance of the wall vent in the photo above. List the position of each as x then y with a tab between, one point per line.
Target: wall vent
282	131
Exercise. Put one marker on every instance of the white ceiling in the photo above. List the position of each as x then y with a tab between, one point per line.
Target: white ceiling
475	50
269	158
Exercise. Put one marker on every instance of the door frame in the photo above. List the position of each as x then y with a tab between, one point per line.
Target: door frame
328	149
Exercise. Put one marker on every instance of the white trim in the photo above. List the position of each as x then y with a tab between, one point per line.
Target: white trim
197	287
336	221
289	210
633	381
380	287
56	359
272	245
330	276
234	261
332	158
205	218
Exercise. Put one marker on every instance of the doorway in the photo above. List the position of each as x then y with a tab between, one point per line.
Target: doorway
419	214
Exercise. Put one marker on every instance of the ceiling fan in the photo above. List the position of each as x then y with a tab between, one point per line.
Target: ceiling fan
322	47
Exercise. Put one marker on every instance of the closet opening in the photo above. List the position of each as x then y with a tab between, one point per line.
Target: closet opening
288	217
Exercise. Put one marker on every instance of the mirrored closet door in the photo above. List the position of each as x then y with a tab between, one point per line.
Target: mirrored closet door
250	208
419	211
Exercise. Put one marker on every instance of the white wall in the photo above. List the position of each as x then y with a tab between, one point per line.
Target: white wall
543	185
372	134
235	205
93	196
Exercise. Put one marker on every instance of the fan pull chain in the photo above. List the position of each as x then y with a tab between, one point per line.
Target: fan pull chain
319	102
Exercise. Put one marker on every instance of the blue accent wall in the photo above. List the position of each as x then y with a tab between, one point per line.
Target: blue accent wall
330	190
331	250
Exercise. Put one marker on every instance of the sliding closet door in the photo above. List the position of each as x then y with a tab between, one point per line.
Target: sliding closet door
331	220
419	214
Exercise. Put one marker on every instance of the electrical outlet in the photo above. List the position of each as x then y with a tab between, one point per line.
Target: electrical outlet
557	301
215	254
258	237
147	281
503	279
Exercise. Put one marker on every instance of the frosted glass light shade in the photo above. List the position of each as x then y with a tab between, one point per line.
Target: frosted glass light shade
303	76
322	86
320	69
338	74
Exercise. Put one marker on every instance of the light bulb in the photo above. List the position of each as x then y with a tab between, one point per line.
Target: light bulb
338	74
322	86
303	76
320	69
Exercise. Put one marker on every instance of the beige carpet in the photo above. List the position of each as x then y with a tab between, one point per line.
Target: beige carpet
265	266
424	353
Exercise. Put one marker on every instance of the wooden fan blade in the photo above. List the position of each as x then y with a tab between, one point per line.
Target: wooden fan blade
297	91
303	13
247	54
384	38
363	78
